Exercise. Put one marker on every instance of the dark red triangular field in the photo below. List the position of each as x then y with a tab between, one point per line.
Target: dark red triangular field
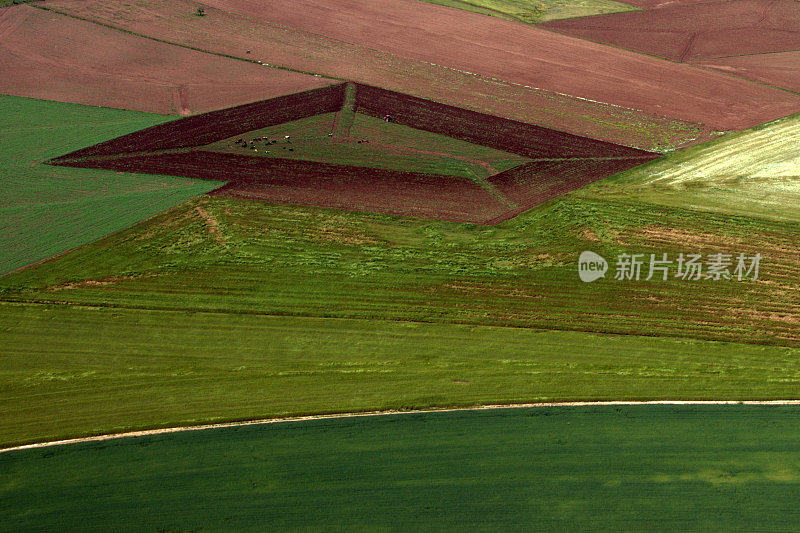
364	148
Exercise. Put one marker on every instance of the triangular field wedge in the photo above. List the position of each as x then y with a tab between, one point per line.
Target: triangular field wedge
363	148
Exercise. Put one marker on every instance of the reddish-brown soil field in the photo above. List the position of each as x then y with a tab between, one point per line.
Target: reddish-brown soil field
174	148
50	56
233	34
533	183
508	135
216	125
531	56
655	4
503	134
692	32
320	184
537	67
781	69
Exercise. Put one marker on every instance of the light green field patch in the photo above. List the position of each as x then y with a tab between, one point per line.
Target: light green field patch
45	210
533	11
372	142
284	260
100	370
754	173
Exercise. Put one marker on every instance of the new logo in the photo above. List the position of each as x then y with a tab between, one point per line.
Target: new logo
591	266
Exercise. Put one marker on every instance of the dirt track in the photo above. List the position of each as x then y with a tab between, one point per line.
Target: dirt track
54	57
164	431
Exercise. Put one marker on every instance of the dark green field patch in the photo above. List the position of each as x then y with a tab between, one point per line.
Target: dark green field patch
642	468
46	210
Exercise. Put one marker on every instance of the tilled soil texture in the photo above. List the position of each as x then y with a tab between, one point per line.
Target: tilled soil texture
536	57
503	134
529	74
781	69
695	32
565	161
55	57
216	125
539	181
310	183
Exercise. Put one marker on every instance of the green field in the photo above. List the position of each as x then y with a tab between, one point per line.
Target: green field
283	260
383	145
101	370
224	309
642	468
45	210
533	11
134	302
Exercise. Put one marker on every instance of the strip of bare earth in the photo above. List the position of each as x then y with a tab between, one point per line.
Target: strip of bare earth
178	429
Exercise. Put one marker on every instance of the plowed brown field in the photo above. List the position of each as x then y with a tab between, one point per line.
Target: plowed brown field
692	32
310	183
533	183
54	57
566	161
531	56
216	125
461	63
781	69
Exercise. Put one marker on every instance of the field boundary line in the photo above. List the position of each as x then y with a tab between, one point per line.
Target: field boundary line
745	55
491	189
288	314
364	414
490	78
498	13
163	41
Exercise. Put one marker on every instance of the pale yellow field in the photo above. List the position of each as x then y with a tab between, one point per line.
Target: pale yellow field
533	11
755	172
